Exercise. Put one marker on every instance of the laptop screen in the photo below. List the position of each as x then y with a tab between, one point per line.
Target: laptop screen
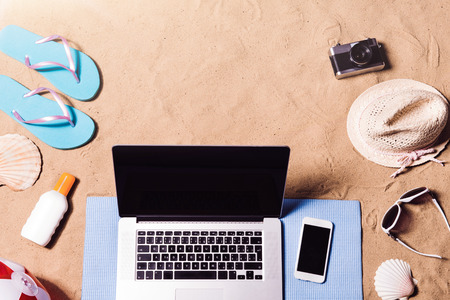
194	182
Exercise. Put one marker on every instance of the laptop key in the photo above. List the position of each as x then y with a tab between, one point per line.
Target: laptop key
249	274
143	248
256	240
258	250
140	275
168	275
195	275
144	257
253	266
142	266
240	277
232	275
258	277
158	274
223	275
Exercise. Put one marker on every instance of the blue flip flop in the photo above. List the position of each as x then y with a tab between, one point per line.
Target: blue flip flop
71	71
68	131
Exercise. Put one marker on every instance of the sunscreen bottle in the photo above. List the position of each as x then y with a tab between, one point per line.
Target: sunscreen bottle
48	212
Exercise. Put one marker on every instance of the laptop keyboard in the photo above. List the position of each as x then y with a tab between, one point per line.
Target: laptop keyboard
191	255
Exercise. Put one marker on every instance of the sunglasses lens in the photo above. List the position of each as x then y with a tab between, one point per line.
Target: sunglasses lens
389	217
413	192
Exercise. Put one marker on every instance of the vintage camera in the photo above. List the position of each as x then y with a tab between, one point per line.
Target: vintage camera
356	58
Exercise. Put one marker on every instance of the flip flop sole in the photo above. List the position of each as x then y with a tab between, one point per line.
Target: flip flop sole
58	134
17	42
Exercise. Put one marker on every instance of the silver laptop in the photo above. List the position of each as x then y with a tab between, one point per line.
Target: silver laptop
200	222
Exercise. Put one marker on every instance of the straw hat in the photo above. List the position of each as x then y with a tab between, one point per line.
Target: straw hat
399	123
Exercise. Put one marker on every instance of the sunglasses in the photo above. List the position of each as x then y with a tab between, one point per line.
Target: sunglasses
392	215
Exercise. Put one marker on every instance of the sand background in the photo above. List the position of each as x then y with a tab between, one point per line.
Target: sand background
234	73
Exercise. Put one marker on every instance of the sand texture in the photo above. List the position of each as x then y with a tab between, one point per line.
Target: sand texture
234	73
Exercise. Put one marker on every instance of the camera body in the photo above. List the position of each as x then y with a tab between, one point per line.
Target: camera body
356	58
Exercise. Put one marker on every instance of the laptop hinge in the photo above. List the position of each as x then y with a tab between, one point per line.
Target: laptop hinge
200	218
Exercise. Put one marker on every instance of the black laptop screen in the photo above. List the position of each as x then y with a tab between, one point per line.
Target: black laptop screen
200	181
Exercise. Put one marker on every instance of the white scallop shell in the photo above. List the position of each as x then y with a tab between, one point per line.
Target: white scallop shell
393	280
20	162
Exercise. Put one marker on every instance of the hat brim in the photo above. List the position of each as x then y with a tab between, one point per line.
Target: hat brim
374	92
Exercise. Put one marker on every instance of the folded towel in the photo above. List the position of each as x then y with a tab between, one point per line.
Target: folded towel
344	275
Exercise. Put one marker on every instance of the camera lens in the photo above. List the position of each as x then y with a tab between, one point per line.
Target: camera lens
360	54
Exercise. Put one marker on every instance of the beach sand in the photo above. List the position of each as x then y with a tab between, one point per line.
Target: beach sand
234	73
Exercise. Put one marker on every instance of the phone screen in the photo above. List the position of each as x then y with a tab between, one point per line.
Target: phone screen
313	250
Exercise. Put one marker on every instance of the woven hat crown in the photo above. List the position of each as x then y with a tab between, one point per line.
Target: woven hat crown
403	121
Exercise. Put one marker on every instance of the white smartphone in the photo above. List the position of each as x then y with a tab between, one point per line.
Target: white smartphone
313	250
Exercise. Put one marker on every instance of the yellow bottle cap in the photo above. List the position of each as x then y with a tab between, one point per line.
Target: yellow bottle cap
64	183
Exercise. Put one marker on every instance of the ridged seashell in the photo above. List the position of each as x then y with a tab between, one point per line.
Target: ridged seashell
393	280
20	162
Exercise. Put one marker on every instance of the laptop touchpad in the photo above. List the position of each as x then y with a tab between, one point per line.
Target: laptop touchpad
199	294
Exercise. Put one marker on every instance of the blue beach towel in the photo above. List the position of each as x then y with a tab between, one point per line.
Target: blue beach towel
344	278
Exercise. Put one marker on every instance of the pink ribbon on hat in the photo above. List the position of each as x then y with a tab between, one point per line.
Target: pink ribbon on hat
409	158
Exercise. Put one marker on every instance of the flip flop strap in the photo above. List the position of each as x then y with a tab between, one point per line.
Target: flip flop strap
66	115
71	67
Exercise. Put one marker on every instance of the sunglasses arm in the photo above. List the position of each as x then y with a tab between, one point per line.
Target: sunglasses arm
415	251
442	212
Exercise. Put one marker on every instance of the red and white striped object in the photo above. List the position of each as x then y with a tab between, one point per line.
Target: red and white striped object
16	283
